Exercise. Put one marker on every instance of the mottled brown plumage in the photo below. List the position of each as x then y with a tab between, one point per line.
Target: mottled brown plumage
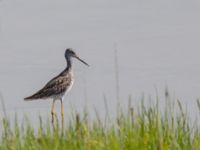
58	86
55	88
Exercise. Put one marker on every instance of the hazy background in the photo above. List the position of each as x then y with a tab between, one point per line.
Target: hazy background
158	45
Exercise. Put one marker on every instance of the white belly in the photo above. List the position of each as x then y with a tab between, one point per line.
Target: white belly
61	95
68	88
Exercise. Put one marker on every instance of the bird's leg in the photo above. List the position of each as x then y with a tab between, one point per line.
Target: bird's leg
62	112
53	111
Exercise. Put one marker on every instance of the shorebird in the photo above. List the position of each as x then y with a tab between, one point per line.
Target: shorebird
59	85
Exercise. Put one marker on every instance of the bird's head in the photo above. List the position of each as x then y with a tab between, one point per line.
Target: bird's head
70	53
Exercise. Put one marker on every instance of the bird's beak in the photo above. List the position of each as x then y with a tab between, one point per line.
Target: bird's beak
81	61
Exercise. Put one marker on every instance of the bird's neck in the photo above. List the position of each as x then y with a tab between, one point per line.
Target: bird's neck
68	68
69	63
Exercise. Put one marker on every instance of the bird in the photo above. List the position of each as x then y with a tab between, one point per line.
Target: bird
57	87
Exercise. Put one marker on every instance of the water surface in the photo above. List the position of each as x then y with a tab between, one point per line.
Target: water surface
157	43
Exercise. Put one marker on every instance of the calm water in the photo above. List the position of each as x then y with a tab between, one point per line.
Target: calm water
158	45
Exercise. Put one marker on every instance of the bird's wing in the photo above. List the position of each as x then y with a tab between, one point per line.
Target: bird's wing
55	86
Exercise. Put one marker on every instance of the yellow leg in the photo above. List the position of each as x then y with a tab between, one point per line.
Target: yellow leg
53	111
62	112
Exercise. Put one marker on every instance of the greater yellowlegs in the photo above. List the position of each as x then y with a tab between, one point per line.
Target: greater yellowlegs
58	86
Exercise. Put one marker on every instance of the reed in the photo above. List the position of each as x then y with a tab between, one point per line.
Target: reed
140	127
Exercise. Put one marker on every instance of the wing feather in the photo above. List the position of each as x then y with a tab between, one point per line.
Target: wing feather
54	87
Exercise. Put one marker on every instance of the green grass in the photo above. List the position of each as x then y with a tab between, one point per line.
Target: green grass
140	128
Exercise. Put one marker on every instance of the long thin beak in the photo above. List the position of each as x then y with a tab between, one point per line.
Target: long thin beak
81	61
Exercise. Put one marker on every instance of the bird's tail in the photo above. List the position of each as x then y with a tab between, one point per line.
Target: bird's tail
30	98
36	96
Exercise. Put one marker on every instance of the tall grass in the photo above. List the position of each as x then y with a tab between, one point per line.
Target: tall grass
135	128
